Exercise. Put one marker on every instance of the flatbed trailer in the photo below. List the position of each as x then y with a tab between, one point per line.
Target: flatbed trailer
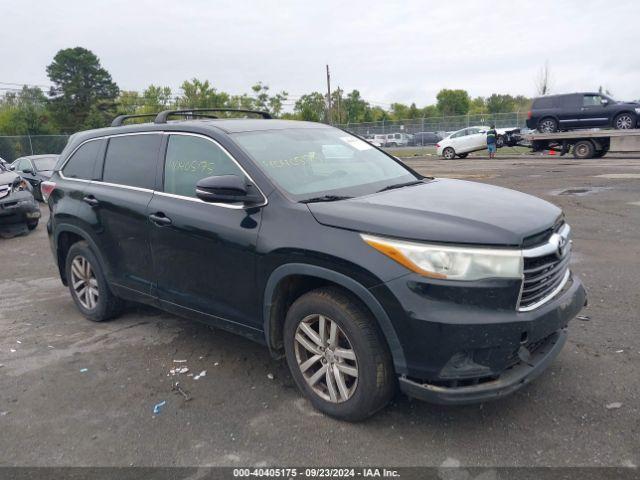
582	143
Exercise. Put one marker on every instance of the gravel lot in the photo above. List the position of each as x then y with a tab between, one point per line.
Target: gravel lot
246	410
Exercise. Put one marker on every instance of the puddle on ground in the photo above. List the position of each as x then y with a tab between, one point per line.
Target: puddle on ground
579	191
619	175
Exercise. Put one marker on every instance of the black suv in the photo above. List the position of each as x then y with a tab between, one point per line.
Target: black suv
363	273
581	110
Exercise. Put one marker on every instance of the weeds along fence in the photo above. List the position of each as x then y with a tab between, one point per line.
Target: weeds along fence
14	146
437	124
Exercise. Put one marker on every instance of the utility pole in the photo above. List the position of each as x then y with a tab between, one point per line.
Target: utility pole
328	96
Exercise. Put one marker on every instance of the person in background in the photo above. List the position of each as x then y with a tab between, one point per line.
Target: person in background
492	141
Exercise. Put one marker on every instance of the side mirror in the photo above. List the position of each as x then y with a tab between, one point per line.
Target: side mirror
226	189
28	170
12	168
604	102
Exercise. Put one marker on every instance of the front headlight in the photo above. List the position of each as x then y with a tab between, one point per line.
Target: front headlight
451	263
637	110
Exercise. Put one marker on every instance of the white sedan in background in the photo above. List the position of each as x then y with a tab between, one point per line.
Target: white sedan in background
467	140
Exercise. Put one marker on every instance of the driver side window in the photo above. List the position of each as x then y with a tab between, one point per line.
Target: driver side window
189	159
591	100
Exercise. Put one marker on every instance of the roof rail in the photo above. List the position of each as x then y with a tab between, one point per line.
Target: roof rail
120	119
163	116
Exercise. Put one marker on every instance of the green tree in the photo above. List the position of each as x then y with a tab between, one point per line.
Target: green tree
356	108
500	103
478	105
82	89
25	113
311	107
266	102
453	102
198	94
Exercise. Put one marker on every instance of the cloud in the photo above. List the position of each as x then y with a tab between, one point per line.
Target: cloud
391	52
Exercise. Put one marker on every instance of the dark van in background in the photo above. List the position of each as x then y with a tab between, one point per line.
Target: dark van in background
570	111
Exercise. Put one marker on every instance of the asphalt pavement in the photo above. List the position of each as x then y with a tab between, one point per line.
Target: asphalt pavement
77	393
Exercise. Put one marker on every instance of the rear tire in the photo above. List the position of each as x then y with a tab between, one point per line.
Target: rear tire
449	153
624	121
583	149
548	125
88	285
359	349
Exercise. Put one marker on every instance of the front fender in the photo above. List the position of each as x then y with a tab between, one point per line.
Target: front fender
348	283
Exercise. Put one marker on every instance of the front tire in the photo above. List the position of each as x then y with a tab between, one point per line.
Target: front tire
337	356
88	285
624	121
449	153
32	226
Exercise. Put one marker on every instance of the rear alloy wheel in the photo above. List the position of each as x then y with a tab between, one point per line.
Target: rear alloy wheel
583	149
449	153
624	121
336	354
548	125
88	286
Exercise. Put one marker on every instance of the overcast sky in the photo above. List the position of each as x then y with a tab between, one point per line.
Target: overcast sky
390	51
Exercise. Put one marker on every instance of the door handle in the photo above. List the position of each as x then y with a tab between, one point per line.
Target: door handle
160	219
91	200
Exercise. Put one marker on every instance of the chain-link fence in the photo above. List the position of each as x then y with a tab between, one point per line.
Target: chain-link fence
438	125
12	147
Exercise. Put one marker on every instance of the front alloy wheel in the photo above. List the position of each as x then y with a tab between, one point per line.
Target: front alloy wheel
624	121
84	282
326	358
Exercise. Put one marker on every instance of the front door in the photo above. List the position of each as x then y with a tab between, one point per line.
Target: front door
203	253
594	113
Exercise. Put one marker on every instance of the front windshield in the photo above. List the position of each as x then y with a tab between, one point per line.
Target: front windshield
307	162
45	163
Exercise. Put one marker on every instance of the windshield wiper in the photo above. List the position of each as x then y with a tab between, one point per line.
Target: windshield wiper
400	185
325	198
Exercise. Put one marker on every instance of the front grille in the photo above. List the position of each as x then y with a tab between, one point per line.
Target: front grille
544	275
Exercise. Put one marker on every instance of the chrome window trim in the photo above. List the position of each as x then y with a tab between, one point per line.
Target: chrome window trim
544	300
234	206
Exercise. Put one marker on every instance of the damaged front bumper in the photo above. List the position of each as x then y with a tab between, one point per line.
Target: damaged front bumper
18	210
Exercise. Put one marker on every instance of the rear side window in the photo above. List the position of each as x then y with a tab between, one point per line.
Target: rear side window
82	162
131	160
544	102
190	159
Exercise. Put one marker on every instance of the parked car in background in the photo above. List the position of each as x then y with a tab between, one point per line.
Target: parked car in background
18	209
35	169
397	140
570	111
360	272
424	138
379	140
468	140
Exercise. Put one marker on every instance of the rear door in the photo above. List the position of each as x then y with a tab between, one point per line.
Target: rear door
203	253
569	108
593	112
118	201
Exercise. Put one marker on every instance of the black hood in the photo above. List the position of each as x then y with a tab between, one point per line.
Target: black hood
443	211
